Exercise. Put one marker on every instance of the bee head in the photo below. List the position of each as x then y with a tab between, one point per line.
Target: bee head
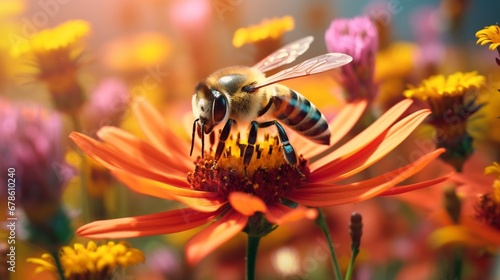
210	106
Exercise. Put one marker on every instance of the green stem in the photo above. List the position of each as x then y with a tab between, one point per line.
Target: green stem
457	263
321	222
60	270
83	174
251	258
350	269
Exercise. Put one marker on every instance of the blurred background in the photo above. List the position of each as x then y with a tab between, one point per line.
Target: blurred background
160	49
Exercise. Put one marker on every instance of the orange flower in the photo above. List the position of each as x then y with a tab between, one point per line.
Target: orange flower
479	224
269	192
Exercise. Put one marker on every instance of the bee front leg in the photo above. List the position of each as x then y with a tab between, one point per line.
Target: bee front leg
222	139
250	148
288	150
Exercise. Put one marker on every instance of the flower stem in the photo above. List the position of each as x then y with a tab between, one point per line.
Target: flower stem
60	271
457	263
350	269
321	222
251	258
83	173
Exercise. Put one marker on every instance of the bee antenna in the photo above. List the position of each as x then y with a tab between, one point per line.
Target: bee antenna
193	135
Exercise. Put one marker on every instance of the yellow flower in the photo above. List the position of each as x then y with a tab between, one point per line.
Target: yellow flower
454	85
61	37
136	52
56	53
489	34
452	101
92	261
268	29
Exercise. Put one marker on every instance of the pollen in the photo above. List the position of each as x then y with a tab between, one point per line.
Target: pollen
267	176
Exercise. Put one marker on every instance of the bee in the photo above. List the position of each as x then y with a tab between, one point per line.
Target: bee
242	94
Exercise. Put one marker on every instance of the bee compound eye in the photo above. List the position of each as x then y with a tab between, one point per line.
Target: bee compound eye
219	109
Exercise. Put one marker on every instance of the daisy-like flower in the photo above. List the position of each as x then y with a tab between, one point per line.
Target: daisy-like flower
479	221
356	37
56	53
490	35
452	101
488	206
90	262
266	36
255	199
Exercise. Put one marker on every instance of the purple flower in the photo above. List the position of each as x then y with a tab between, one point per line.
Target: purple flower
31	143
358	38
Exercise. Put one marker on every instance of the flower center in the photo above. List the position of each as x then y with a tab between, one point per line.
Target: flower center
267	176
488	207
488	211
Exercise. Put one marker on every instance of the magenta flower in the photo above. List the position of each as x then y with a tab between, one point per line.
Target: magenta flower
358	38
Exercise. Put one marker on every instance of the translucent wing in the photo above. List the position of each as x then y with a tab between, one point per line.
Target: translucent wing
285	55
312	66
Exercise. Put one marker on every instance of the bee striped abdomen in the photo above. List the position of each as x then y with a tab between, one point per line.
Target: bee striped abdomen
298	113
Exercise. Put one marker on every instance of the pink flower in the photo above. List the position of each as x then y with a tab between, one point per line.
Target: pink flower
107	104
358	38
30	144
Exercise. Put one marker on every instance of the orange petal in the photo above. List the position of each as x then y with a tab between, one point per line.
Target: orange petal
246	204
115	161
347	166
319	195
129	145
153	125
146	225
214	235
367	136
280	214
340	126
197	200
407	188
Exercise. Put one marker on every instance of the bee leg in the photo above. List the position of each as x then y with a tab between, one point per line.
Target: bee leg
224	134
252	138
288	150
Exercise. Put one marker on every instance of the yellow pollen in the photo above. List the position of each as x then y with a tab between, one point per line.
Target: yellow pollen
266	174
267	154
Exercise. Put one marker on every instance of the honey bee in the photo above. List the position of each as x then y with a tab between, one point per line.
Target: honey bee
241	94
